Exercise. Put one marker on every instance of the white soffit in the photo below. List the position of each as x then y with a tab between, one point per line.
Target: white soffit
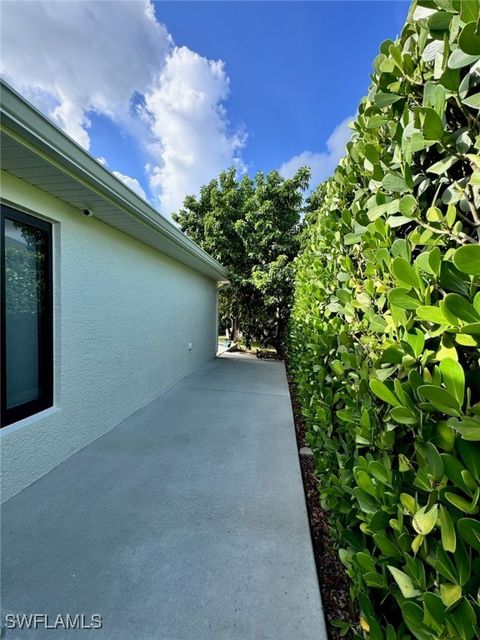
37	151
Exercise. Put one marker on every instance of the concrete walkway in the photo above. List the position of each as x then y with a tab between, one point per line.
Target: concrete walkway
185	522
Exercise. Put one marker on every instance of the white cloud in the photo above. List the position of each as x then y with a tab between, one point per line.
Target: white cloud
133	183
74	57
81	56
192	141
322	164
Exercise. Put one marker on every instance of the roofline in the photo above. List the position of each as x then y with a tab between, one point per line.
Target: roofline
22	121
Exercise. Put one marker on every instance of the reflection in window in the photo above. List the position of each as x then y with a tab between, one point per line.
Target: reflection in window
26	316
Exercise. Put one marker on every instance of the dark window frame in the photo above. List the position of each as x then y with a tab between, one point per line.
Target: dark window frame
45	325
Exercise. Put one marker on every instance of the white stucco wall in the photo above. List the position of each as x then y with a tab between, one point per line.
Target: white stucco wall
124	317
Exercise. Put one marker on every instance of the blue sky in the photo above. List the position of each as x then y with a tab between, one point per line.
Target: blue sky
171	93
296	69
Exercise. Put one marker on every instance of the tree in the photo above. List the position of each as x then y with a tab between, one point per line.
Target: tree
252	227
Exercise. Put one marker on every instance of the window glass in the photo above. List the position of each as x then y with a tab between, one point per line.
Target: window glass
26	316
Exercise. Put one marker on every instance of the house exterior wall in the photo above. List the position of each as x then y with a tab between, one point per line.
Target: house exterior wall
124	315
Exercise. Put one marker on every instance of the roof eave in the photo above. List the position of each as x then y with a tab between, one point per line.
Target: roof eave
44	138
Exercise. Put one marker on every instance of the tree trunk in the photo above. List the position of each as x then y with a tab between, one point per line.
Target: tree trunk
278	339
233	330
279	347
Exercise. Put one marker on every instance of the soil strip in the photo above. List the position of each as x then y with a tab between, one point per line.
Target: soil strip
332	577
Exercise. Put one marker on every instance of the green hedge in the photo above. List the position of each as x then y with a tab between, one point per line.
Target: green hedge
385	334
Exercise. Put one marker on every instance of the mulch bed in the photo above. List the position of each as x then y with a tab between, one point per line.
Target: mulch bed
333	580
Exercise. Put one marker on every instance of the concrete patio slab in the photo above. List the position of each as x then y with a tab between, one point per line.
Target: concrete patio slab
185	522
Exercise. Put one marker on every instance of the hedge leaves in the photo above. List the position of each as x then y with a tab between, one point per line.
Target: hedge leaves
385	334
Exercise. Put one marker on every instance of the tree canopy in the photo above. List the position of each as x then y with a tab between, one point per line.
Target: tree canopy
252	227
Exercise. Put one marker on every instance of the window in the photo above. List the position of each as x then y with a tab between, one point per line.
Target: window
26	315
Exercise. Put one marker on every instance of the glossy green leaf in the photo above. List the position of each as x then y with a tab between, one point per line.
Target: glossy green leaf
467	259
439	21
409	503
441	399
442	562
435	607
434	259
405	274
450	593
449	538
468	428
443	435
379	471
443	165
431	314
386	99
404	582
403	415
460	503
472	101
466	340
383	392
453	378
434	460
469	529
471	329
388	208
469	10
453	469
464	620
451	279
462	563
400	298
476	303
365	561
412	615
457	306
425	519
459	59
386	546
408	206
469	40
394	182
433	128
374	579
365	482
416	340
470	453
